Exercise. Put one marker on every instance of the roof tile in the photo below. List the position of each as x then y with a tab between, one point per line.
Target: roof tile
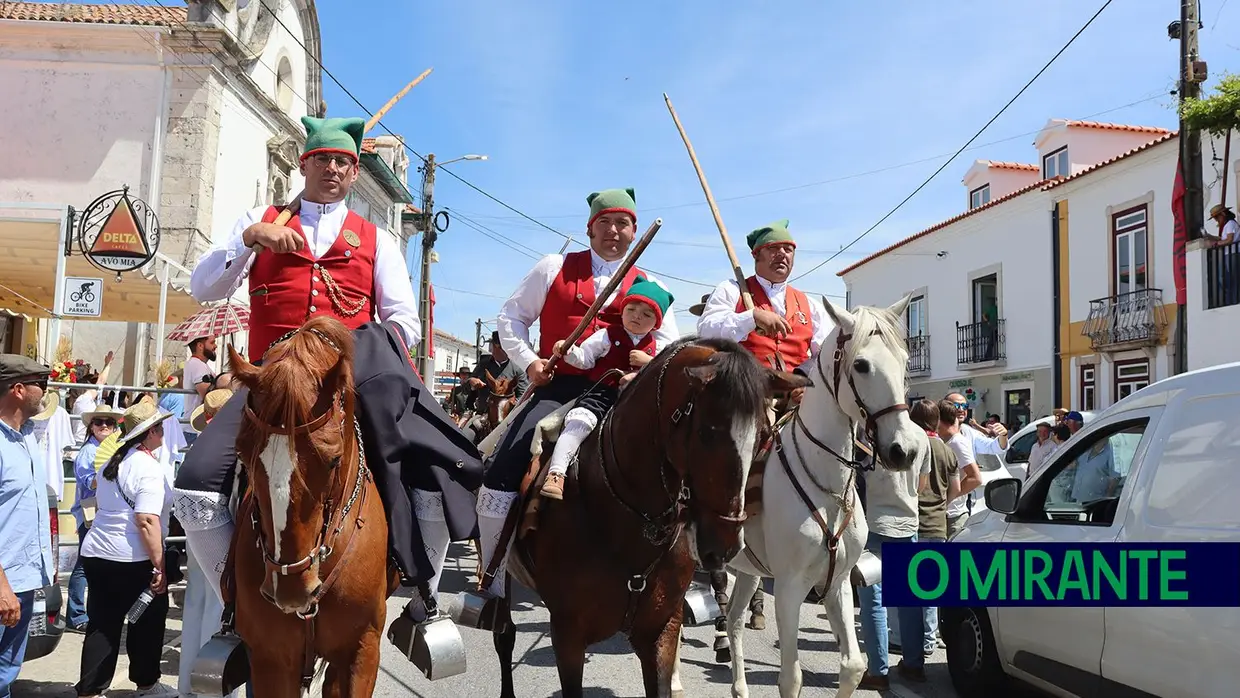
369	145
1116	127
1012	165
142	15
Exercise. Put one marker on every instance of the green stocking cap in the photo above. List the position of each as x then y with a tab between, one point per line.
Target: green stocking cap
772	234
651	294
333	136
611	201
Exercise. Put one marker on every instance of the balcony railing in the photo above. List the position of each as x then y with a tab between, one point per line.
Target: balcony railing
980	342
919	354
1223	275
1136	318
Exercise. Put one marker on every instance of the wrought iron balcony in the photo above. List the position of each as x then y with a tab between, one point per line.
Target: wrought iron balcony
919	354
1127	320
980	342
1223	275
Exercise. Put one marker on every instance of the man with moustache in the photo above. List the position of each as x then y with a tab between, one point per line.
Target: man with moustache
329	261
201	350
556	294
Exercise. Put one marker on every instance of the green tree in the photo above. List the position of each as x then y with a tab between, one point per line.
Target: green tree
1218	113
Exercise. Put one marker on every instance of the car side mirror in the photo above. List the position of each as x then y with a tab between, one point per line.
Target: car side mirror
1003	495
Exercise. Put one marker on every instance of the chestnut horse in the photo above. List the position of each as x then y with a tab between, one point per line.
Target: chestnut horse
500	402
311	547
658	485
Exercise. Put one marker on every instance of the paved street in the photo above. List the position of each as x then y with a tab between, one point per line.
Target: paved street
611	669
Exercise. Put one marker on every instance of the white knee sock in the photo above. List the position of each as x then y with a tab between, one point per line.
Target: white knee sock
428	508
577	426
493	507
209	547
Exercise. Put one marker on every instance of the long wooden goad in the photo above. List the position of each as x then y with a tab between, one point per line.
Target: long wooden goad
746	296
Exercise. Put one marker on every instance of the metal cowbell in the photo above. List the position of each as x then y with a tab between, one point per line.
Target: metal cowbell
868	571
222	666
435	645
700	605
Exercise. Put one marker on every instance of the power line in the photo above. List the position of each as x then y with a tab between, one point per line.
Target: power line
469	293
966	145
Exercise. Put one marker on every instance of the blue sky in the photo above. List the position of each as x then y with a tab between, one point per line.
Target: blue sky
791	112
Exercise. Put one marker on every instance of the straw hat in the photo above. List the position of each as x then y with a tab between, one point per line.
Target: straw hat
104	411
139	419
1219	209
698	308
211	404
49	405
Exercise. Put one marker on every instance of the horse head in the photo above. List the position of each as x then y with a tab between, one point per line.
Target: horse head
863	368
298	431
500	399
709	399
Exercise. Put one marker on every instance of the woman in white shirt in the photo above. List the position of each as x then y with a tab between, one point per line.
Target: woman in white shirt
123	556
1228	230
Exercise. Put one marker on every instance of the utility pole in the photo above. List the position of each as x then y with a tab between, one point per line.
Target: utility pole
426	366
1192	74
478	341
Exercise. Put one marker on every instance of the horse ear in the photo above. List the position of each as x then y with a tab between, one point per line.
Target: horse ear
701	375
242	369
783	382
840	316
901	305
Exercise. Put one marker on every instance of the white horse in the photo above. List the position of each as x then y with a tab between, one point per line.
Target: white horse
812	529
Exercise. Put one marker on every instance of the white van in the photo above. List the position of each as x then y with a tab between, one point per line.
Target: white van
1172	450
1015	459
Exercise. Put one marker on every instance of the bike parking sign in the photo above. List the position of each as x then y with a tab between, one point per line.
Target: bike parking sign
83	297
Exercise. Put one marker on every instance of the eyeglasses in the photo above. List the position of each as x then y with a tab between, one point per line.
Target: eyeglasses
961	405
110	423
342	162
41	383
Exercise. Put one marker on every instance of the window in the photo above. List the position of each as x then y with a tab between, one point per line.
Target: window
979	196
915	317
284	83
1056	164
1087	388
1083	486
986	299
1129	270
1131	376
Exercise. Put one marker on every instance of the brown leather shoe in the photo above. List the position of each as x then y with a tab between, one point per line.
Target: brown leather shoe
553	486
914	674
873	682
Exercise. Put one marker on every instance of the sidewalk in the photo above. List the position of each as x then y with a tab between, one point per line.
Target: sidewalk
53	676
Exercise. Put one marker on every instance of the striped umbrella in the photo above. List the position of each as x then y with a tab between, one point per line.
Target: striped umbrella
213	322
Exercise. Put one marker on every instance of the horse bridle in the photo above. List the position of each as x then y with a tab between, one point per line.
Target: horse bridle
323	548
833	386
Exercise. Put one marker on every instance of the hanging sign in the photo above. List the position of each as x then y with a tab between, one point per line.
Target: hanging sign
82	297
1017	377
119	232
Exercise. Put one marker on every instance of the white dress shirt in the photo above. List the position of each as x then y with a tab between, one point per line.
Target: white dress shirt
221	270
720	319
587	354
1038	455
522	309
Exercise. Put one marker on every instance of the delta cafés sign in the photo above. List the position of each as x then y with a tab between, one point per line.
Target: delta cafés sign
119	232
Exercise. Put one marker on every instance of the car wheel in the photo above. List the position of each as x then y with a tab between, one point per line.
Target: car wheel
972	659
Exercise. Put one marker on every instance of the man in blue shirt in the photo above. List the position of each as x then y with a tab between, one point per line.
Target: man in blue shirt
25	529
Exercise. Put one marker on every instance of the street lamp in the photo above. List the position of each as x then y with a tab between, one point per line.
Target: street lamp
429	234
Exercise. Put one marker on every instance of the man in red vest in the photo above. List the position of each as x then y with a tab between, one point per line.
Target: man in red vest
556	294
792	327
330	261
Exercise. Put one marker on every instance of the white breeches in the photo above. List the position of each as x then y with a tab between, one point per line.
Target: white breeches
428	508
578	424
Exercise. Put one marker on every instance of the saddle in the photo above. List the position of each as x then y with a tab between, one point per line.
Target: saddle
547	430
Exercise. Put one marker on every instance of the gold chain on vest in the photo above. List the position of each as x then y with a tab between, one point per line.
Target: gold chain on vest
344	306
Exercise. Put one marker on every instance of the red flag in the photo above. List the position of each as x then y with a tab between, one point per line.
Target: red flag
1180	238
430	324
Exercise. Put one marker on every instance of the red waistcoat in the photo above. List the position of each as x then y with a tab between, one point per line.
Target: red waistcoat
570	296
794	348
286	290
618	355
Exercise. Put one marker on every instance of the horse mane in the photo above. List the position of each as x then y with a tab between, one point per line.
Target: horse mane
739	378
869	320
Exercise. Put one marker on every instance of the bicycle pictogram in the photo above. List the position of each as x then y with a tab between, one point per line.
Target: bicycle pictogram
86	293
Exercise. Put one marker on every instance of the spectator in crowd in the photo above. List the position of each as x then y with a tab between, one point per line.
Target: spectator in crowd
100	421
123	555
1228	229
891	511
953	431
201	351
1074	421
1062	433
25	530
1042	449
1060	413
83	400
940	487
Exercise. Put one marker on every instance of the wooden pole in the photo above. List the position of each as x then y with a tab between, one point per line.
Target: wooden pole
746	296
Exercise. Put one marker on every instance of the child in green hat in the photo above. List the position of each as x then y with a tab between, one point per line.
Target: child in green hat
619	349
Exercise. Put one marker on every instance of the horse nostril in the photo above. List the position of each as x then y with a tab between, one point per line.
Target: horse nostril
897	453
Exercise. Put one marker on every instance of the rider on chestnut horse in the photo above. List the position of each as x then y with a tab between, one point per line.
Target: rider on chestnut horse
785	326
499	367
556	294
326	260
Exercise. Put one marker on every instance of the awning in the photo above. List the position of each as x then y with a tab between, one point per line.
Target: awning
30	245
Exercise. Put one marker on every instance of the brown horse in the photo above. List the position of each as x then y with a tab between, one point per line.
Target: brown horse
500	402
311	548
659	484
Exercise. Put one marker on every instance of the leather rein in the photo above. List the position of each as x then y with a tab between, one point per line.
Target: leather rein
661	530
324	546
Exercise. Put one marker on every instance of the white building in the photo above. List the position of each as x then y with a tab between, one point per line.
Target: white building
451	353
